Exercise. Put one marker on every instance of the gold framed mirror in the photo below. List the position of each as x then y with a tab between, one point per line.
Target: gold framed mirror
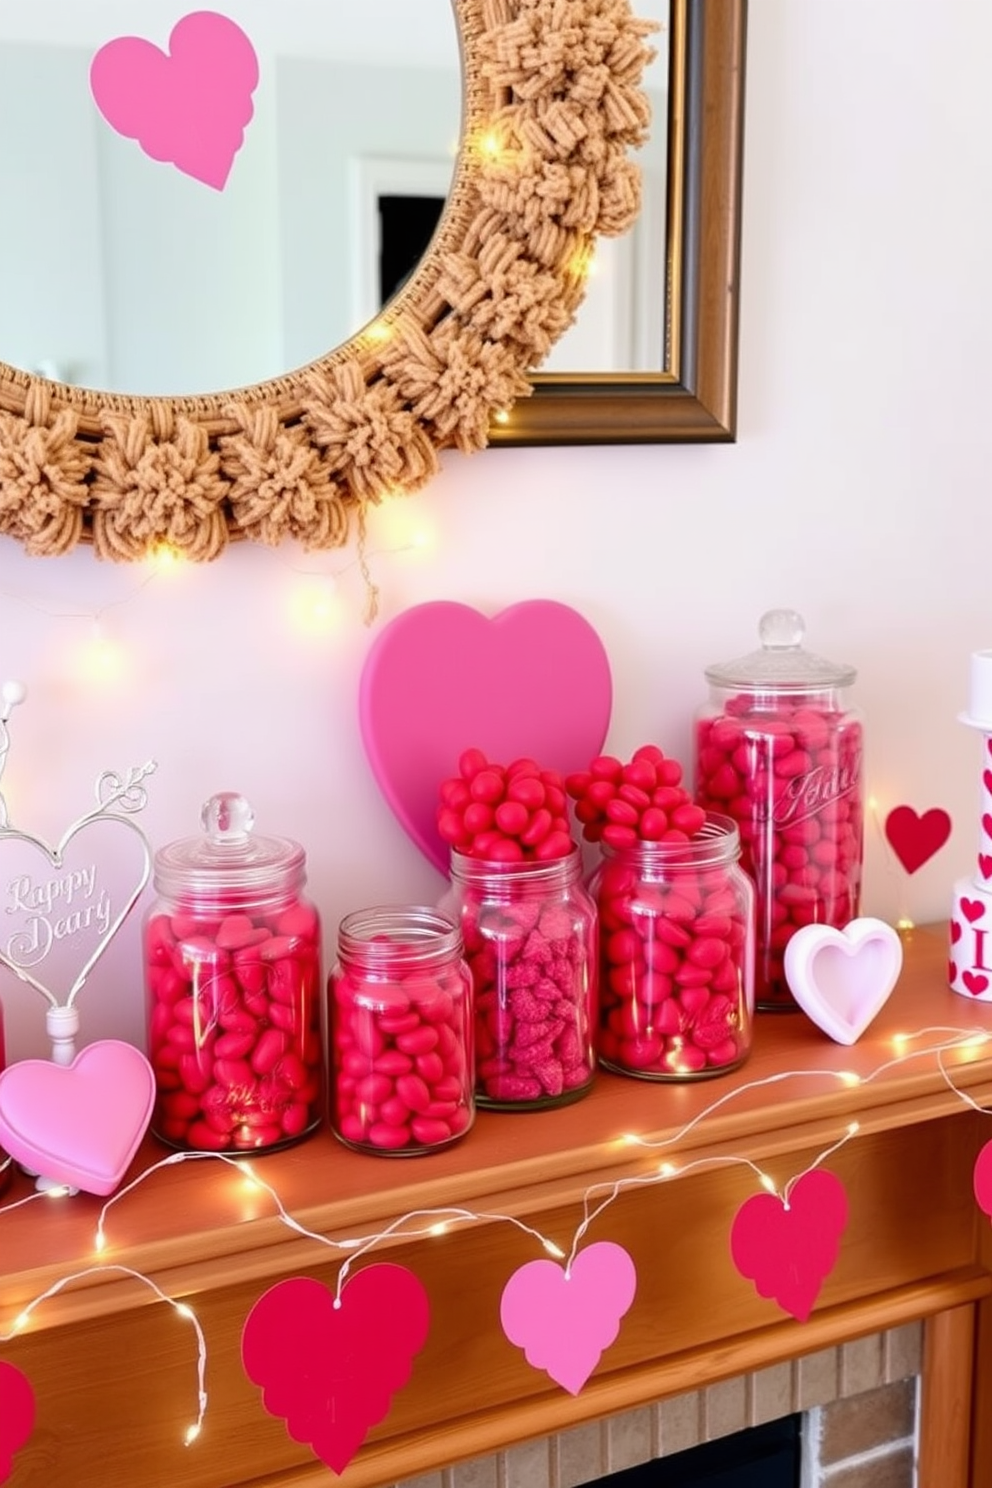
692	396
553	110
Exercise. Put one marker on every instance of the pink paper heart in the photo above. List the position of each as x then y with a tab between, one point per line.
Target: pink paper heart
983	1179
331	1371
843	978
564	1322
442	677
17	1411
789	1250
914	839
79	1124
189	106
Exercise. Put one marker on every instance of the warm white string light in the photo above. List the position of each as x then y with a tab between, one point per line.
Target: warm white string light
181	1309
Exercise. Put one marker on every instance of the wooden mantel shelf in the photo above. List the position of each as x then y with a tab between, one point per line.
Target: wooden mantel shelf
114	1370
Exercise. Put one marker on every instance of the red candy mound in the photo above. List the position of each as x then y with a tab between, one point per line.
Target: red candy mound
640	801
504	813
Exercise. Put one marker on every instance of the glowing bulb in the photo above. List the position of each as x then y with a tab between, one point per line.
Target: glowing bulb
165	556
378	332
100	1243
668	1170
768	1184
192	1432
553	1249
899	1041
849	1077
314	606
976	1041
185	1312
872	803
629	1140
905	924
438	1229
103	659
489	144
854	1128
501	416
22	1319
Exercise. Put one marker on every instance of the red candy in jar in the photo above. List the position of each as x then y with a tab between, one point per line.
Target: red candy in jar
677	955
779	749
233	978
531	940
401	1032
6	1162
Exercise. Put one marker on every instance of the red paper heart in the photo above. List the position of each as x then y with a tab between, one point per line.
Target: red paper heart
914	839
983	1179
975	983
535	680
972	909
330	1371
789	1250
17	1411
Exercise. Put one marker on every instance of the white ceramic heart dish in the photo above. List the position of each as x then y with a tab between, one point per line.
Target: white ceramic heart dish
843	978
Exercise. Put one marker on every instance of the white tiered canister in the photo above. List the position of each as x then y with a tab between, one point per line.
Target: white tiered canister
970	961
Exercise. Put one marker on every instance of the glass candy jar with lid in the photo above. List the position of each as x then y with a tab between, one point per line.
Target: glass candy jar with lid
531	941
677	955
232	973
400	1020
779	749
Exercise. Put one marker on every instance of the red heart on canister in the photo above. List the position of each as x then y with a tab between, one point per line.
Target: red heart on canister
17	1410
913	838
972	909
985	864
788	1250
975	983
330	1370
442	677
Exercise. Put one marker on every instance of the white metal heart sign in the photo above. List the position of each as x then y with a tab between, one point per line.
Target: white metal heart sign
842	978
61	906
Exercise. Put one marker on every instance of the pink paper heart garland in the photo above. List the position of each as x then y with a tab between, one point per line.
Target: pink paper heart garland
330	1371
440	678
788	1251
189	106
564	1322
79	1124
17	1413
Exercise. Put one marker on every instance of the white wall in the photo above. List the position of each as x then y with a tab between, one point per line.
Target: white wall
858	491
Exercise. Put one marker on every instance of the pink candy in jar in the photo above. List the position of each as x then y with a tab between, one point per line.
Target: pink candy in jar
677	959
779	750
232	971
401	1032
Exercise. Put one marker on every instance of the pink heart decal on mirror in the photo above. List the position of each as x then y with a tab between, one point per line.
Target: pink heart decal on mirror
843	978
914	839
189	106
440	678
564	1321
17	1412
81	1123
788	1250
330	1371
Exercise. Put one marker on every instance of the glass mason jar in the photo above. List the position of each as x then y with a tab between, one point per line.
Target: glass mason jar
232	974
6	1162
400	1019
531	940
779	749
676	922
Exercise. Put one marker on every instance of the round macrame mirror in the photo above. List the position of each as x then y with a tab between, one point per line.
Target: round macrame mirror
552	109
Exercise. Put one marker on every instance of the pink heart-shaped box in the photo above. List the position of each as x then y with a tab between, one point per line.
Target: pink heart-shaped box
81	1123
842	978
441	678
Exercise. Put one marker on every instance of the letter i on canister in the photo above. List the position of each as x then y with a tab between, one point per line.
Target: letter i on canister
970	962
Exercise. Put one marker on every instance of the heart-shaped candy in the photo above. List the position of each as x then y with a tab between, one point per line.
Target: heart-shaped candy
189	106
17	1411
843	978
442	677
328	1370
79	1124
789	1249
563	1322
914	839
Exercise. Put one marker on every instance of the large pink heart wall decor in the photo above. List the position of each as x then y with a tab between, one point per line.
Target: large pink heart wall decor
564	1321
330	1370
17	1412
81	1123
788	1249
442	677
188	106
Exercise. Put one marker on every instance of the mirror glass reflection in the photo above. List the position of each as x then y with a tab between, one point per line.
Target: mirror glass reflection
129	273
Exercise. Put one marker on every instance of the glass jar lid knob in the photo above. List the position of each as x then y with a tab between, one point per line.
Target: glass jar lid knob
227	818
780	630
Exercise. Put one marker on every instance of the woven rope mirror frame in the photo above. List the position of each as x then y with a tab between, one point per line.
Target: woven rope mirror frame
553	106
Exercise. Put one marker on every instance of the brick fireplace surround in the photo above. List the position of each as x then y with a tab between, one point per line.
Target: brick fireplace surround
698	1353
